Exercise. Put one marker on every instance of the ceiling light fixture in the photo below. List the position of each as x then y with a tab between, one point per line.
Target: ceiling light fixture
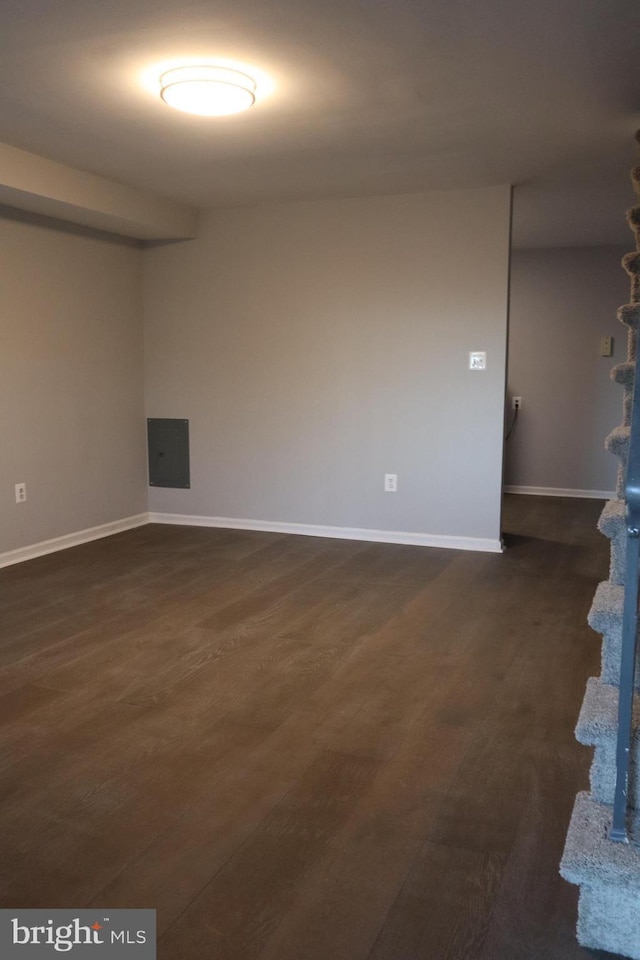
209	91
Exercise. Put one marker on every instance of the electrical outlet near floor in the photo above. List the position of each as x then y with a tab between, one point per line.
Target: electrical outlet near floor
21	492
516	403
391	483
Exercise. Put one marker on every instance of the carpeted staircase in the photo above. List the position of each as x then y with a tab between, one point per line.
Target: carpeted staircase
608	873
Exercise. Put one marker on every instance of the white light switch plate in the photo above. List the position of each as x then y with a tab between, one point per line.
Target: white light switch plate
606	346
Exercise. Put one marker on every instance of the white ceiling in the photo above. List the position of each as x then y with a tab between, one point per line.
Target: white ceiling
369	96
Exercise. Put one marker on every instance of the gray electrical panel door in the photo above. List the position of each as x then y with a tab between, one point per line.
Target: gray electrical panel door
168	444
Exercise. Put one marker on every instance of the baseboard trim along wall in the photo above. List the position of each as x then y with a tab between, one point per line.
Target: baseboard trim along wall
337	533
561	492
71	540
276	526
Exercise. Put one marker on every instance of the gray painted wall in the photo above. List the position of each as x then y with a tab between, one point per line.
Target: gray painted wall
317	346
71	394
562	302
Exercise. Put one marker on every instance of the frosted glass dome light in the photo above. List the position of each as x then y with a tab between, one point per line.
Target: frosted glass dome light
208	91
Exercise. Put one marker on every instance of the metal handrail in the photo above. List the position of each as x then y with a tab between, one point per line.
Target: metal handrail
620	825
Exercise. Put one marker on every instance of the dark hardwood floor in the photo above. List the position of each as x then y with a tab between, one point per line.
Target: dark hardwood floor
303	749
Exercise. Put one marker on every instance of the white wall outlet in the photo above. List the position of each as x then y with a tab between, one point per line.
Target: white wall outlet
21	492
516	403
477	360
391	483
606	346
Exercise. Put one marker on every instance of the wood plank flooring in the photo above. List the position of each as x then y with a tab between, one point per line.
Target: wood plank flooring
303	749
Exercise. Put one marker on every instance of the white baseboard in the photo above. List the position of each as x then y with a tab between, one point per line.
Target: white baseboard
338	533
561	492
303	529
71	540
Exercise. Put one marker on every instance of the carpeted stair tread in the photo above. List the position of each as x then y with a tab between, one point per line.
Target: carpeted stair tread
623	374
613	518
609	878
613	524
598	727
633	218
607	920
629	314
618	441
631	263
590	857
605	615
598	720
